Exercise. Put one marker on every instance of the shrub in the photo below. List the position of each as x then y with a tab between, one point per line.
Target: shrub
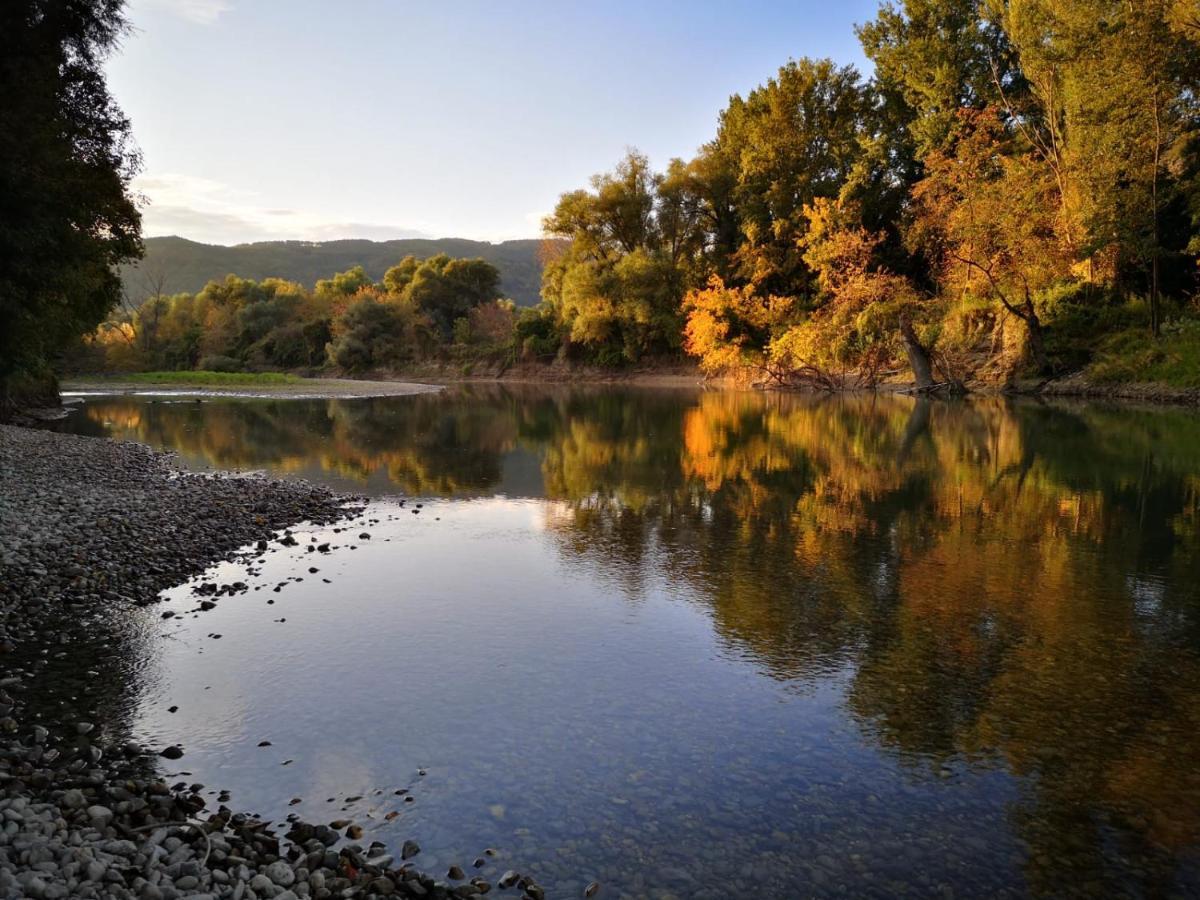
536	334
375	333
493	323
538	347
1074	315
610	357
1134	355
462	330
220	364
295	345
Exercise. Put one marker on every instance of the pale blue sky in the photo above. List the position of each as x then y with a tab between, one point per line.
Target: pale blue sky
263	119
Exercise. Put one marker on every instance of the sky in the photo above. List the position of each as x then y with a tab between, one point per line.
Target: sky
309	120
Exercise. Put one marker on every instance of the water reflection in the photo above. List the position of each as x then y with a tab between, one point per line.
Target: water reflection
985	590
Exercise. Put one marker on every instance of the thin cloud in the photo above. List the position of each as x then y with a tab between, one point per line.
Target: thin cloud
215	213
202	12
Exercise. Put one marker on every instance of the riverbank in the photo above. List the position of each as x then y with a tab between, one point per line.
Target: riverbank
651	374
434	379
381	384
91	530
1080	386
220	384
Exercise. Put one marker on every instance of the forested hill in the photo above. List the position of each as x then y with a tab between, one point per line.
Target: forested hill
183	265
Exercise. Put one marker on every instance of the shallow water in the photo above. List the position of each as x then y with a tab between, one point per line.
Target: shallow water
708	644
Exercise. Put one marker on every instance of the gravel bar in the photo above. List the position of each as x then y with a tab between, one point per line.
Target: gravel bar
89	529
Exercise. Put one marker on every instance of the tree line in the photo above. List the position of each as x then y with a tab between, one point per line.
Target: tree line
1015	190
420	307
1016	185
67	218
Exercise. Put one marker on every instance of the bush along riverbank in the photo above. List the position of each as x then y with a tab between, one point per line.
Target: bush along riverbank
92	529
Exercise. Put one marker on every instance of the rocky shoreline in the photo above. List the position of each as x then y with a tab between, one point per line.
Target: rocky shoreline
88	529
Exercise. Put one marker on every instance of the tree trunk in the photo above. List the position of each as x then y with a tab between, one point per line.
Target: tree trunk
1155	314
918	356
917	425
1037	343
1154	300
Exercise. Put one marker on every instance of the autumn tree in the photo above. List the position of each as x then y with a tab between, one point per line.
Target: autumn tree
1115	88
939	57
789	141
616	286
864	312
987	214
729	328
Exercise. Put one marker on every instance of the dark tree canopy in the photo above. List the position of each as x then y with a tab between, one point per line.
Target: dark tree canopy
66	214
447	289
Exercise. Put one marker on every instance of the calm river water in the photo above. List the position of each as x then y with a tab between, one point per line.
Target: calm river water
708	644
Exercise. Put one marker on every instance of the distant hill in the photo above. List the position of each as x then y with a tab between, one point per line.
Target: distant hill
184	265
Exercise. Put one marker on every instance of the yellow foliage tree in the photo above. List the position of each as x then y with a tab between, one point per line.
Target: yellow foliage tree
728	327
857	328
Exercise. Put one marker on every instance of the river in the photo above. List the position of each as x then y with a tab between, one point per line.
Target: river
706	644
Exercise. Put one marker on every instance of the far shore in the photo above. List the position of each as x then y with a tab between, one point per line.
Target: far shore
249	385
295	388
319	388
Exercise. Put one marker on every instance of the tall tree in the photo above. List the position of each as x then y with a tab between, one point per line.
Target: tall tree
1115	83
987	215
940	56
66	160
615	288
791	140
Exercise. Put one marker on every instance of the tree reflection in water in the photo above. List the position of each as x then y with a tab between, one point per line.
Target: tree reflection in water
1014	587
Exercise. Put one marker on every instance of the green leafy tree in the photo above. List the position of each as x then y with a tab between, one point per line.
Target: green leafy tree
446	289
400	276
939	56
1115	84
344	284
67	218
792	140
615	287
376	332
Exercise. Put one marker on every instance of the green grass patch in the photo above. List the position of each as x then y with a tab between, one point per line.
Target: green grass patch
1133	355
205	379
